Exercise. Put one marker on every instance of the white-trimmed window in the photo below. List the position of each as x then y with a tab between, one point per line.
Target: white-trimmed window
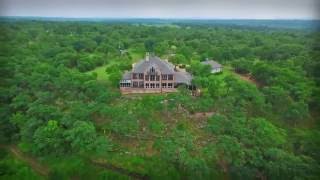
135	84
141	84
152	77
134	76
164	77
140	75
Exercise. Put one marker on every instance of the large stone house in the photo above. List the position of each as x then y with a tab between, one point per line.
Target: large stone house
153	75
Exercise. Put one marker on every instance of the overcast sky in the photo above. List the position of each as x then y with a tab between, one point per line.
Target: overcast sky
216	9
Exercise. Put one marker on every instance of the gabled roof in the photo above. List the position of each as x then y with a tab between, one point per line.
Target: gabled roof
212	63
164	66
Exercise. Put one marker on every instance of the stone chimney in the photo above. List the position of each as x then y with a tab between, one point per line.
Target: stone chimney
147	56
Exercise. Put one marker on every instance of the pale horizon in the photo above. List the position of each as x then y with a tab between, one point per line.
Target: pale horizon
165	9
162	18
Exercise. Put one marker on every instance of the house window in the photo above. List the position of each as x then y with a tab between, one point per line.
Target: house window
134	76
151	85
135	84
164	77
158	77
146	77
147	85
140	75
152	77
169	85
164	85
157	85
152	70
140	84
170	77
125	85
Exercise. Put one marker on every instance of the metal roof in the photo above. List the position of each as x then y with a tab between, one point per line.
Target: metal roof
212	63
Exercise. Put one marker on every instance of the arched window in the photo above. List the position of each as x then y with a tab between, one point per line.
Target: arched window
152	70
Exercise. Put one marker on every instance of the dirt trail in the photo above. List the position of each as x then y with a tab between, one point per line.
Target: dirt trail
248	78
120	170
32	162
44	170
202	115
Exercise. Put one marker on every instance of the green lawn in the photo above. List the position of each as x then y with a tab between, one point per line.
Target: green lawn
101	73
135	55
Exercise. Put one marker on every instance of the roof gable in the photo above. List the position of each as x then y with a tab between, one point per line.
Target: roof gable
164	66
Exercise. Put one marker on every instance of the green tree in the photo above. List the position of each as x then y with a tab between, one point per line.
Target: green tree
83	138
49	138
149	45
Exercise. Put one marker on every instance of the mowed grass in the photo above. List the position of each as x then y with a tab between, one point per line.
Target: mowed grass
102	75
136	56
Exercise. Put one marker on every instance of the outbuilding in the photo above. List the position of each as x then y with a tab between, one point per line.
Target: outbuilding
215	66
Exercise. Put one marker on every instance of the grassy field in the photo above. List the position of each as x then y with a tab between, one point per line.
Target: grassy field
101	73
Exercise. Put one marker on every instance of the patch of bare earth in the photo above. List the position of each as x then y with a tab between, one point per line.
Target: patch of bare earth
104	164
31	161
248	78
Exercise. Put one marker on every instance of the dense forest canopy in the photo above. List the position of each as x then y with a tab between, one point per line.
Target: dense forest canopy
60	102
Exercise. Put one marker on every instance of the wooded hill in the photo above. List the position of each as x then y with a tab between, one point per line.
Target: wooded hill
61	108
